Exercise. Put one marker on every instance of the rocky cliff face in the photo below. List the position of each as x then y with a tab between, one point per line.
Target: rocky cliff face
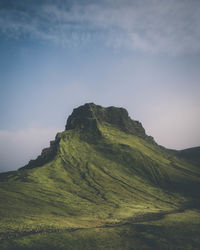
90	115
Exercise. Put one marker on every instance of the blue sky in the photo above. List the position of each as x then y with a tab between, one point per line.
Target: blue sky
57	55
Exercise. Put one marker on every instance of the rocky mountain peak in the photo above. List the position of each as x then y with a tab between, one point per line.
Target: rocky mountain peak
89	115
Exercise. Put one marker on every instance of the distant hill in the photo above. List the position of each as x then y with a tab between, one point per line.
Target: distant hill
191	154
103	184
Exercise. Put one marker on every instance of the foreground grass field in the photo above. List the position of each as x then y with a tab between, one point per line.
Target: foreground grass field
173	231
102	184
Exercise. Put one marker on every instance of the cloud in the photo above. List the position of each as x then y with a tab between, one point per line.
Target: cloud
150	25
18	147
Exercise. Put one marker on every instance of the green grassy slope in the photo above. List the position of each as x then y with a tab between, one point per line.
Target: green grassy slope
191	155
102	182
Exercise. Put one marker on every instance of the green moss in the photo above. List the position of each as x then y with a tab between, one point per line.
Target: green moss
95	187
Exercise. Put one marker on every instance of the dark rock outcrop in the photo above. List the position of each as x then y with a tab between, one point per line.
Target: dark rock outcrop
90	115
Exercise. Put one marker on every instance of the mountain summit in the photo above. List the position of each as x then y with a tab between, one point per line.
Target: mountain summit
90	115
99	178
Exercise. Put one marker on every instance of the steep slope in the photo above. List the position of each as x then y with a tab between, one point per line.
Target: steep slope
103	169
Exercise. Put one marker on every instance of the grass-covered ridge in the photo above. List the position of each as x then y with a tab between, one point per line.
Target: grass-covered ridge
102	182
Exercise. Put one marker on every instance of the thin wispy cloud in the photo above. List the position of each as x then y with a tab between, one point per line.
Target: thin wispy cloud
151	26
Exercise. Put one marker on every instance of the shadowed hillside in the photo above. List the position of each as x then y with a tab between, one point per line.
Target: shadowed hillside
102	184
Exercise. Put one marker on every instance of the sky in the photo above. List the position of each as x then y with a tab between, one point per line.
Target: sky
143	55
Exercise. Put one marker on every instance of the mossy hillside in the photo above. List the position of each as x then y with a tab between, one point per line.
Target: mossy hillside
99	174
176	231
191	155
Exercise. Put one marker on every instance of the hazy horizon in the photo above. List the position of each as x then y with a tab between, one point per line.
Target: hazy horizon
57	55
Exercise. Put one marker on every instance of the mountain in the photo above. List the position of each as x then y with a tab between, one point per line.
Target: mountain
103	184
